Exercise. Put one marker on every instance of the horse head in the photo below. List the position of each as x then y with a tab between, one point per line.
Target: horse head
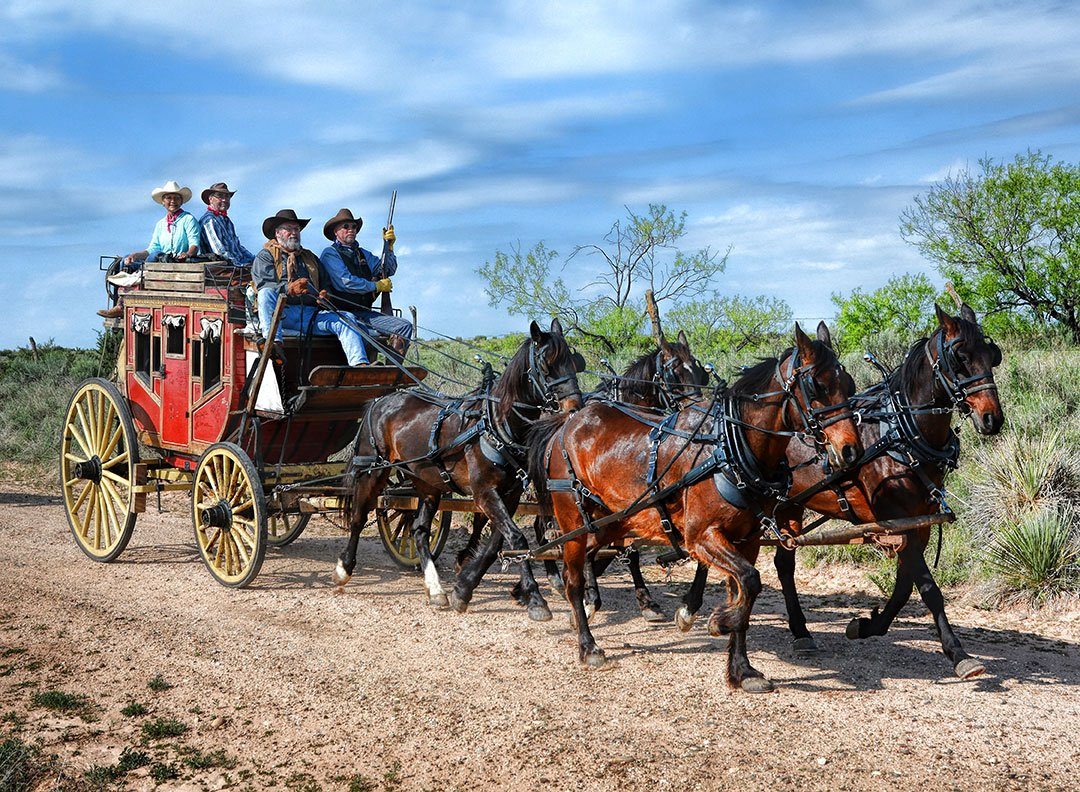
553	368
963	360
818	391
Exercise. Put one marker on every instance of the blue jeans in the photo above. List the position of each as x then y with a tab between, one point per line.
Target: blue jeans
296	318
381	324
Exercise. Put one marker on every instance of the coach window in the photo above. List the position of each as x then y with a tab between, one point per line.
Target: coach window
211	352
173	327
140	332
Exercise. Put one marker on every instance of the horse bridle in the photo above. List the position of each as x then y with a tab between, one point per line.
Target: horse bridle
946	370
812	418
670	388
549	390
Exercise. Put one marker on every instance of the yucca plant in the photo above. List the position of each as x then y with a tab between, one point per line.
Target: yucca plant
1037	557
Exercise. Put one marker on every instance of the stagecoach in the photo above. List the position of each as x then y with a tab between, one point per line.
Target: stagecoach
198	405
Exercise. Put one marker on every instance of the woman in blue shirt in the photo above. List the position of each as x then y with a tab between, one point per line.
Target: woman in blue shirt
177	232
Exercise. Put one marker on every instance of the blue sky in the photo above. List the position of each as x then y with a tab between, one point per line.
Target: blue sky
795	133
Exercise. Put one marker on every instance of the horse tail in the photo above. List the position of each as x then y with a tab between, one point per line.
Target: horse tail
539	437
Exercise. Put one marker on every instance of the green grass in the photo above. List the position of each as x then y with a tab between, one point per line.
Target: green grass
163	728
134	709
202	761
158	684
162	772
59	701
20	768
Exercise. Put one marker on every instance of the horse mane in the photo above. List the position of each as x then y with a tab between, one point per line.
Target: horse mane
637	380
756	378
513	384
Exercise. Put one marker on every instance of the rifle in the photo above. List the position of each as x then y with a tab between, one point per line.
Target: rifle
385	306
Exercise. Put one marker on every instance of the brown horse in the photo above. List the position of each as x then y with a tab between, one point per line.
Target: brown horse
454	447
951	369
658	380
590	466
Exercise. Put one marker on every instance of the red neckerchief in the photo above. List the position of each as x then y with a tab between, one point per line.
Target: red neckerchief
213	211
170	220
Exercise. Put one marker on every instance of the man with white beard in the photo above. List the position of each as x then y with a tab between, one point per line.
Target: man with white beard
284	267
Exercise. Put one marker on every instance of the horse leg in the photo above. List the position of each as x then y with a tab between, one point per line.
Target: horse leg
575	560
965	666
527	591
594	568
470	575
879	622
733	617
650	610
364	492
421	532
550	567
687	612
784	561
469	551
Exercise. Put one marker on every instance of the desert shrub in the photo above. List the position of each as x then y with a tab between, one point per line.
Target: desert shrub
1038	557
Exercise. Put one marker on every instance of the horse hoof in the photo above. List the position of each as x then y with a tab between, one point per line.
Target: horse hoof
590	609
716	629
556	584
539	613
438	601
340	576
853	631
969	668
684	619
757	685
457	603
805	646
652	615
594	659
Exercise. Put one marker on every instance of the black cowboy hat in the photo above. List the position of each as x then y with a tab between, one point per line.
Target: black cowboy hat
343	216
270	224
220	187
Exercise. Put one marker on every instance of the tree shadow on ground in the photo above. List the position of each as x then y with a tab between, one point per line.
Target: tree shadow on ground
29	499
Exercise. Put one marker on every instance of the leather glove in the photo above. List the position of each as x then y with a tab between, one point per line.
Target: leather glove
383	285
297	287
389	237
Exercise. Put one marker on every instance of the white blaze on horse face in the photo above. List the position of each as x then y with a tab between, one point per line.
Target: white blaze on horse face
431	579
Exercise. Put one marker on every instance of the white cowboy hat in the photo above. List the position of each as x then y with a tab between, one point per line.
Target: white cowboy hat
171	187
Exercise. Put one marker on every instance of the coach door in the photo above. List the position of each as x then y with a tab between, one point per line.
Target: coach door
176	375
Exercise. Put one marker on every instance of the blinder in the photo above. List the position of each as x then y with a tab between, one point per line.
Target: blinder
947	368
551	390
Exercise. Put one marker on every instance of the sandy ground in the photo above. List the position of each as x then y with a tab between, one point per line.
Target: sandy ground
306	687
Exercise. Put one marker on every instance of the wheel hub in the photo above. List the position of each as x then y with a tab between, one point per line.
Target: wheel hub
90	470
218	516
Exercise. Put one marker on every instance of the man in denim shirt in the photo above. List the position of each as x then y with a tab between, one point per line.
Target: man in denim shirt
284	267
218	232
357	275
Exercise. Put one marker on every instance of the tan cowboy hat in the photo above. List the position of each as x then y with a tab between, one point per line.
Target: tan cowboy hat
220	187
171	187
270	224
343	216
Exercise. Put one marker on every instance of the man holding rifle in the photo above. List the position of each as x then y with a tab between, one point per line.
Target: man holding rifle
284	267
356	276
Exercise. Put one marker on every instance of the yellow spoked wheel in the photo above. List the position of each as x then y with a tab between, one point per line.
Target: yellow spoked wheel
229	513
283	528
99	452
395	531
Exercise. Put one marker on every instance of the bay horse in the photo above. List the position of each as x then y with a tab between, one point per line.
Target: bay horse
952	370
594	469
446	447
659	380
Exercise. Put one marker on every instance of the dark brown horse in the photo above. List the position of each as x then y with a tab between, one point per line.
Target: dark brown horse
453	447
951	369
590	469
658	380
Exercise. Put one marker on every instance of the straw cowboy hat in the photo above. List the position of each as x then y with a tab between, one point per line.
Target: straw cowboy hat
171	187
220	187
343	216
270	224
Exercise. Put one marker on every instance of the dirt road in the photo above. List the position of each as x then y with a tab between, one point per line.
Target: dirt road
292	684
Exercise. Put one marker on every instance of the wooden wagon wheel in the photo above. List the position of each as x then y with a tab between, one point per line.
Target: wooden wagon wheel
283	528
229	514
99	452
395	531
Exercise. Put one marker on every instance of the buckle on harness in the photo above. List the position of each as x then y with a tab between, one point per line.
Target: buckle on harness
523	476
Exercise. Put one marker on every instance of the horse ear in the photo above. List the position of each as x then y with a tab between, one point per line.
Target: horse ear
805	345
536	333
823	334
968	314
556	327
946	322
683	340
